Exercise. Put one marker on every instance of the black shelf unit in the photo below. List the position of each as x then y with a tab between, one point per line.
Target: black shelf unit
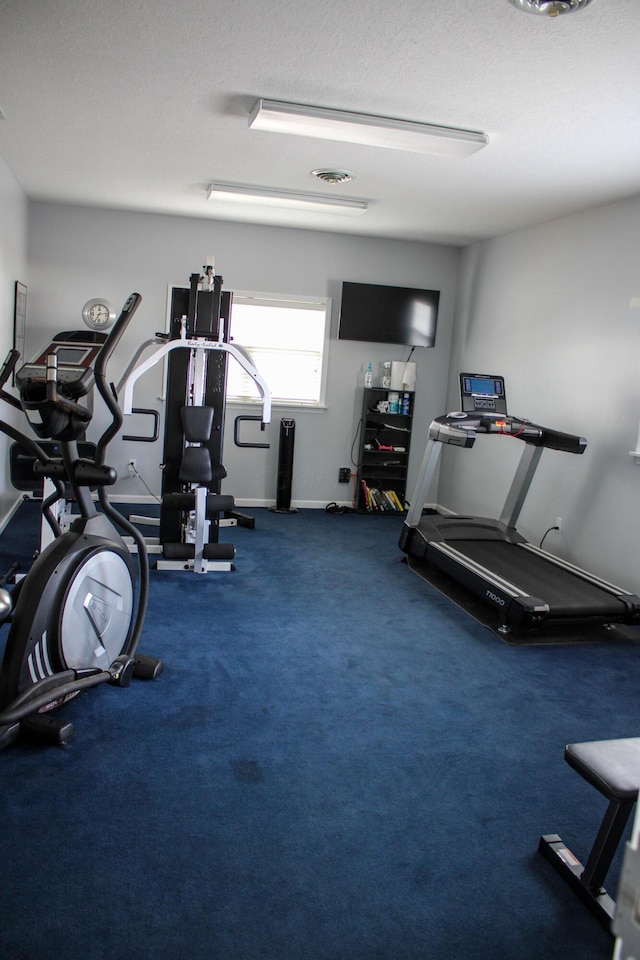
381	479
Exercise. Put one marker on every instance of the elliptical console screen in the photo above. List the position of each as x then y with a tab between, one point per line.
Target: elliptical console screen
483	393
73	355
75	362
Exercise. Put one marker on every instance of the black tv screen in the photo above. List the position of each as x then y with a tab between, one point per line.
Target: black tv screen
381	314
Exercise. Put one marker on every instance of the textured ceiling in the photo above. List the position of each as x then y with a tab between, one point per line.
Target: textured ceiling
140	106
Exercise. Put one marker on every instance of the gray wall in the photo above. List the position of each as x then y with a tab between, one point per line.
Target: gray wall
76	253
13	266
548	307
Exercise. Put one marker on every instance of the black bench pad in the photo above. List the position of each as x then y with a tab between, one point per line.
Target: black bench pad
611	766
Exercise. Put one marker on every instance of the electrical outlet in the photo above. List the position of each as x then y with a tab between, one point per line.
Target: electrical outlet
559	524
131	467
344	474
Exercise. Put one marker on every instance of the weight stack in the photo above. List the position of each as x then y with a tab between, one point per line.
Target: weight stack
285	467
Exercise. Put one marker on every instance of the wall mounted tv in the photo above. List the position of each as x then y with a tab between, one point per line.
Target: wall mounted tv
381	314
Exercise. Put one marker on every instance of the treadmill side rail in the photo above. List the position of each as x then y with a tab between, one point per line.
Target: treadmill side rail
515	607
631	600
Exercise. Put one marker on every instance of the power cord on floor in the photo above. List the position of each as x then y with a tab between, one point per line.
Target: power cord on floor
333	507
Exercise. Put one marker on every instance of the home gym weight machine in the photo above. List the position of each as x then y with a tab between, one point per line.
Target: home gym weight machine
196	349
525	587
75	622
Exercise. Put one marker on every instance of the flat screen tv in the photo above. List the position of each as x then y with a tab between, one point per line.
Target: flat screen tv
381	314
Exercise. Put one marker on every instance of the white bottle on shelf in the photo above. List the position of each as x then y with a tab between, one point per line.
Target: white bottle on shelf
368	377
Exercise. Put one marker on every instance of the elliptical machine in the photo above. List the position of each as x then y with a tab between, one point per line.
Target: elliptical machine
75	622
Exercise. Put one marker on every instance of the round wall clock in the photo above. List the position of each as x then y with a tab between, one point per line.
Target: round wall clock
98	314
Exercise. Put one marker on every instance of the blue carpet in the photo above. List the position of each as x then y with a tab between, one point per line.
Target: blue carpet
337	764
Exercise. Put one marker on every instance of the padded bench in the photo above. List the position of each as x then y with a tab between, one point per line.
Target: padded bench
613	768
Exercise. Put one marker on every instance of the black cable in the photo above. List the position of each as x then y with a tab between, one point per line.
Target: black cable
146	485
545	534
355	439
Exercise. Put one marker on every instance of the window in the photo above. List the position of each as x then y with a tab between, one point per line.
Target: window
286	338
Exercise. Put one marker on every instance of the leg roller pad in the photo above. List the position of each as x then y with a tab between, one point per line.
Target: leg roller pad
219	503
186	551
216	503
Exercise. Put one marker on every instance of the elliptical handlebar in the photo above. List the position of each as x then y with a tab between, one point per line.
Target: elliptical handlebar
131	304
108	393
55	397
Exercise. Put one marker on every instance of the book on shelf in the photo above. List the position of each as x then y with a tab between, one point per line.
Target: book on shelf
379	501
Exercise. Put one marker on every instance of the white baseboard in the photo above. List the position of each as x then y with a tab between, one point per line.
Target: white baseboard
127	498
11	506
295	504
440	509
239	502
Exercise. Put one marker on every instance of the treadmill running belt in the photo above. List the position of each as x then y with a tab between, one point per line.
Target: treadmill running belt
566	594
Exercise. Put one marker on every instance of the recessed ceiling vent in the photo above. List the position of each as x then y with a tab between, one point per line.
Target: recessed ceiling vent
333	176
550	8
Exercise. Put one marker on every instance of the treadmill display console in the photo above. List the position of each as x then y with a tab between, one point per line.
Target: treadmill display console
482	393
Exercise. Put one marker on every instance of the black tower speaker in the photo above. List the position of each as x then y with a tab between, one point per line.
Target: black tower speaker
285	467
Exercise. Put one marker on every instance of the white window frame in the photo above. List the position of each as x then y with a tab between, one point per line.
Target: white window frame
286	301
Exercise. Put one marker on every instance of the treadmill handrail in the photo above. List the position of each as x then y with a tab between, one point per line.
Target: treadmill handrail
461	429
556	440
453	427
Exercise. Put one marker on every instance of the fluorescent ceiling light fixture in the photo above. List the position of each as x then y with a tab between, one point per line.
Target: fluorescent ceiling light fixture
550	8
283	198
325	124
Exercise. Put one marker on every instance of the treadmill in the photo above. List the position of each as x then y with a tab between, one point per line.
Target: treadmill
516	585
